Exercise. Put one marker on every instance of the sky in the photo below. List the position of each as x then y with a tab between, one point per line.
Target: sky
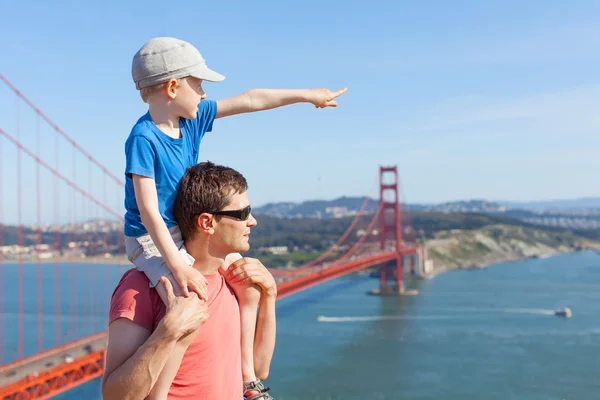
493	100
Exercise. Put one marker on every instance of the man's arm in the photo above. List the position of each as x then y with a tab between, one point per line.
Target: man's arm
147	201
266	99
134	359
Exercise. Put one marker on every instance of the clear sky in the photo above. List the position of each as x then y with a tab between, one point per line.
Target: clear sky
471	99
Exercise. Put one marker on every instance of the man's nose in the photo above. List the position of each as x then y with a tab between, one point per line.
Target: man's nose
252	221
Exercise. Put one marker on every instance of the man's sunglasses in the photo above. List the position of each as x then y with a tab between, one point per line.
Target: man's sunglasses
242	214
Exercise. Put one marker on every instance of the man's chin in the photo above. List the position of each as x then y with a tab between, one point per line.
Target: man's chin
244	248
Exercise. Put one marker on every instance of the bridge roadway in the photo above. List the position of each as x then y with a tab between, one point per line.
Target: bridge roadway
21	375
32	366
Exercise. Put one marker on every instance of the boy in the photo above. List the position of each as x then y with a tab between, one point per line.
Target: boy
162	144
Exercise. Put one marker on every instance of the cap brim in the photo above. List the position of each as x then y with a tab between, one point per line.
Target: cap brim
207	74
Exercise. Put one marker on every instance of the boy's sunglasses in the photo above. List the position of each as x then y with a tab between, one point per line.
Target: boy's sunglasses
242	214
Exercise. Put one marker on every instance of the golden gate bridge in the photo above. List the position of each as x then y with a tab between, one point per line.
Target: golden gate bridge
42	166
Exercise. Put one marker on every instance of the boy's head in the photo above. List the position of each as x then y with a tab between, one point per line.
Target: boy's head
165	63
212	201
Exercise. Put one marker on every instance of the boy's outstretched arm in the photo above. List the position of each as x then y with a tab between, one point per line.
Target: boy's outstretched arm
266	99
147	201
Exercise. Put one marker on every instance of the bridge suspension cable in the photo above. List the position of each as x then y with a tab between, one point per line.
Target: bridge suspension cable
59	130
61	176
362	238
341	239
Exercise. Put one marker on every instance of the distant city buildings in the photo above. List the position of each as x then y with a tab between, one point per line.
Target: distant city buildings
275	250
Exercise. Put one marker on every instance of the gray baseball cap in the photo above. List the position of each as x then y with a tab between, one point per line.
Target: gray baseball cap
164	58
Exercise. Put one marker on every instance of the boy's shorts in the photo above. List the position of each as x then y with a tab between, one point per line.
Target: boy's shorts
144	255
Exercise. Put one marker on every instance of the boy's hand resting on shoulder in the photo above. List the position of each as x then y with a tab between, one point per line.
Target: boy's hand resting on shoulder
188	280
248	271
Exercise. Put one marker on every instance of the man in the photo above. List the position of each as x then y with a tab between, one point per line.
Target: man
213	212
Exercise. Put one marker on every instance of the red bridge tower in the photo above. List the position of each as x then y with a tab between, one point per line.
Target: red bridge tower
390	226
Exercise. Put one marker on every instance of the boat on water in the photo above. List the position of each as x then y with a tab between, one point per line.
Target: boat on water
563	312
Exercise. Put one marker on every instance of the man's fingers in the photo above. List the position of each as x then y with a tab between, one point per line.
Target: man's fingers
168	287
332	103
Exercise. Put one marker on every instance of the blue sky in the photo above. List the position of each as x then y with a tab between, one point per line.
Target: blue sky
471	99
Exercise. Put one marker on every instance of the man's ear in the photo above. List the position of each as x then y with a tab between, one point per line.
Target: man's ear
205	223
171	88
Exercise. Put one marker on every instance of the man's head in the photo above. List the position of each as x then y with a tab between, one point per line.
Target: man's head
212	203
173	68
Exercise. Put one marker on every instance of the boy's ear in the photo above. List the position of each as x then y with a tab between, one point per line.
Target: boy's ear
171	88
206	223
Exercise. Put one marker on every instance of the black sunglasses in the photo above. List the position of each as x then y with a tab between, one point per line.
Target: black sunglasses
242	214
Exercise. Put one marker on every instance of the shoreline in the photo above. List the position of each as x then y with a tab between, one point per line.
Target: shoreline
446	269
495	244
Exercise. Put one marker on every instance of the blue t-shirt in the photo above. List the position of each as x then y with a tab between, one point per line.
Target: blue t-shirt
152	153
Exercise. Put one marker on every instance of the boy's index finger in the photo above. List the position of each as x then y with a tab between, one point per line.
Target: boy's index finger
339	92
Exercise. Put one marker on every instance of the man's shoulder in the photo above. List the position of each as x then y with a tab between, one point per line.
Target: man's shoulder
136	280
135	300
133	288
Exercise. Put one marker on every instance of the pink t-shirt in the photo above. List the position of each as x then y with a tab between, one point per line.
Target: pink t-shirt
211	367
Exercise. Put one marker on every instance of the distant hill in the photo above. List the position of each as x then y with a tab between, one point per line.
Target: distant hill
349	206
550	205
468	206
337	208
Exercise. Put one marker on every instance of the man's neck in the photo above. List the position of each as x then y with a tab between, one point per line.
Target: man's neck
206	262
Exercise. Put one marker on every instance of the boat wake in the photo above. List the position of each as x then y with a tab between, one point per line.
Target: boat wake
322	318
534	311
538	311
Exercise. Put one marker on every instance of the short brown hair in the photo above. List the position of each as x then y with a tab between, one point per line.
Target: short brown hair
205	188
146	92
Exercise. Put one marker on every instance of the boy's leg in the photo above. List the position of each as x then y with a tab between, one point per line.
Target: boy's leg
249	298
144	255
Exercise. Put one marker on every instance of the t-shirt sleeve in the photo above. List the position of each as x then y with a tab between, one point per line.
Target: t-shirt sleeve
131	300
139	157
207	111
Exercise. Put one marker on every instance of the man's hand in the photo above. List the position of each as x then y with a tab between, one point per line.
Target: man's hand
190	280
184	314
248	271
322	98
